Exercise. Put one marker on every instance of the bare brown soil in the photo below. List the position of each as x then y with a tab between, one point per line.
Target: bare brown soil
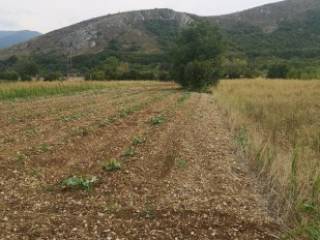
183	182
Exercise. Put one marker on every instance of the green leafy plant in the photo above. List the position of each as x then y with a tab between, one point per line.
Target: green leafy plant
21	158
157	120
44	148
76	182
129	152
242	139
112	165
181	163
138	140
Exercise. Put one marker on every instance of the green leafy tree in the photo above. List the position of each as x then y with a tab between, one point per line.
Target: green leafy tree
197	56
95	75
110	68
53	76
9	76
278	71
27	69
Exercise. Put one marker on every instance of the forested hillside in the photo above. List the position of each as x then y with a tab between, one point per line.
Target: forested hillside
134	45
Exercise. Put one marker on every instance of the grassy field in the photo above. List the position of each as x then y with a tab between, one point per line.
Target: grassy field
277	126
23	90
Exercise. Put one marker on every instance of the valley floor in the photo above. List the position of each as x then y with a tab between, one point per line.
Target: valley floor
181	180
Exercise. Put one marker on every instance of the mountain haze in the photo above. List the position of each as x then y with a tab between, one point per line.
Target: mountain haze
10	38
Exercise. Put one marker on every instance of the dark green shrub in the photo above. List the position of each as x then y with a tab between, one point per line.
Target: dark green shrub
146	75
199	75
27	69
53	76
9	75
164	76
278	71
95	75
25	77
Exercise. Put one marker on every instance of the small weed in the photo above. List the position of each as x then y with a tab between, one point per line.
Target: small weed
157	120
181	163
184	97
75	182
293	184
35	172
126	112
44	148
21	157
138	140
8	140
70	118
112	207
112	165
148	212
80	131
129	152
316	143
107	121
31	132
242	139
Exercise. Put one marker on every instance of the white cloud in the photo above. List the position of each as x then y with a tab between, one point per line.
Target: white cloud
48	15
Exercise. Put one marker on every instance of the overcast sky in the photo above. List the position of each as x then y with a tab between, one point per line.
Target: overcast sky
48	15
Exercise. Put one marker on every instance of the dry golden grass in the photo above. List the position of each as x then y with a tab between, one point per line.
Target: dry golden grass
277	124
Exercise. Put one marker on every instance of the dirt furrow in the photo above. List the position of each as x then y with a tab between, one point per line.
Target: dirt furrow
77	158
57	133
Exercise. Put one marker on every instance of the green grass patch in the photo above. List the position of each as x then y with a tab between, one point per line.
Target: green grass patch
138	140
129	152
36	90
181	163
112	165
157	120
84	183
184	97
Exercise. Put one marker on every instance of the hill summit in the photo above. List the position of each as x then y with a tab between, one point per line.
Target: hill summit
129	29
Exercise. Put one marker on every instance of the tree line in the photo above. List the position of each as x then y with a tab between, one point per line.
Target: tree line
196	57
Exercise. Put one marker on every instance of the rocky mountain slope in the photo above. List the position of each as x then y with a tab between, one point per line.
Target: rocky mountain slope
130	30
287	28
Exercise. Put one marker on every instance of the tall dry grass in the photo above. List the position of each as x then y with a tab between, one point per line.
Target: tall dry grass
277	125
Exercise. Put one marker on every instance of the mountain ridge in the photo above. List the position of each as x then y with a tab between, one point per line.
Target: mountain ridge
253	31
93	35
10	38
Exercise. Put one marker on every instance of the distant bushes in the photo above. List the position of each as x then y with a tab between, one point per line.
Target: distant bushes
114	69
14	69
53	76
99	75
9	75
278	71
